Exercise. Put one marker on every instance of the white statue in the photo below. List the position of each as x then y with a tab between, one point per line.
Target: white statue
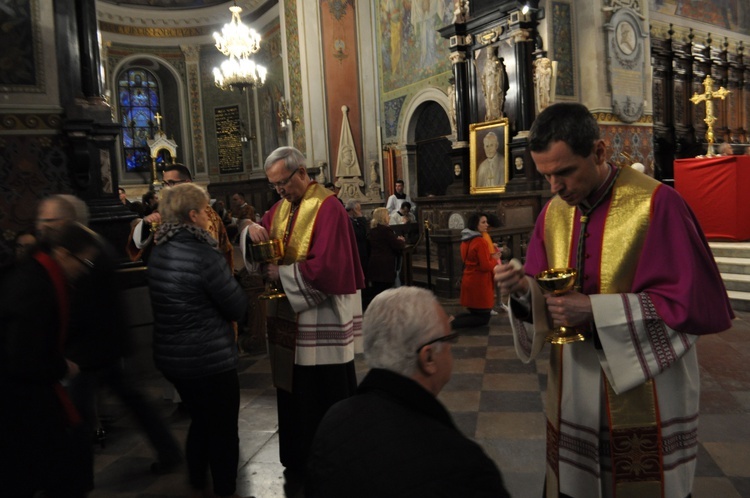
452	106
493	86
542	83
373	190
321	178
347	164
460	11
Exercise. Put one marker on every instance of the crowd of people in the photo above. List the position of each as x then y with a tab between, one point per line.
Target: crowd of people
633	377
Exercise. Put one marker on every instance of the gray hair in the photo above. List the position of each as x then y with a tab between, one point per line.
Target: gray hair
177	202
351	204
396	323
292	157
70	207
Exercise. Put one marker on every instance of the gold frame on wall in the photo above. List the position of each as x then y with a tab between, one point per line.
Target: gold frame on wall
477	134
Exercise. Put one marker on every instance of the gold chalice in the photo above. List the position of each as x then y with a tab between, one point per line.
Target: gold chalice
558	281
268	252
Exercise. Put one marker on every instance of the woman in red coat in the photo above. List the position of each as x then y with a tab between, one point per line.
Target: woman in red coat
477	287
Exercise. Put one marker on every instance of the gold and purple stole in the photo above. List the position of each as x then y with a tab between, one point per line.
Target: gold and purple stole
297	242
635	436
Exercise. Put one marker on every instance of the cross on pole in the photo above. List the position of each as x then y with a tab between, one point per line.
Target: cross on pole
708	97
158	118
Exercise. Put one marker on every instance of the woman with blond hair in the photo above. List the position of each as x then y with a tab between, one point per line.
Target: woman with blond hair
195	298
384	247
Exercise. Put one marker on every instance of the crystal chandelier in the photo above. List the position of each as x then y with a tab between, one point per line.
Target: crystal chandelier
238	42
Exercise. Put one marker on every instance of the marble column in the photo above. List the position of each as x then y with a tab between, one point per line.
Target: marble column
91	82
461	79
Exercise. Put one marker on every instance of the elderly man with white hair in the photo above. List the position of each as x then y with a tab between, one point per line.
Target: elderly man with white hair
393	437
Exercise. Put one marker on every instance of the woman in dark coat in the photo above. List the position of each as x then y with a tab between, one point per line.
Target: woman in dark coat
479	255
195	298
384	247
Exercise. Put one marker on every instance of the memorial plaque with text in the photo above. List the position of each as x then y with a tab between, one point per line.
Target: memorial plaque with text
228	139
627	56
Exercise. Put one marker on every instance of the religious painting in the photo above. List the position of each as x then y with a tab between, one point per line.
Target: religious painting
22	47
488	153
732	15
410	47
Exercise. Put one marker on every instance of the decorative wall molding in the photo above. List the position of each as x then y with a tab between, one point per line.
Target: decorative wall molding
610	118
157	32
27	123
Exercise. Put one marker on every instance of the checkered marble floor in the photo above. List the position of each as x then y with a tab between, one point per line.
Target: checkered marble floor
494	398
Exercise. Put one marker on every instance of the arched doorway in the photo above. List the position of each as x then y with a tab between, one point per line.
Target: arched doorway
434	170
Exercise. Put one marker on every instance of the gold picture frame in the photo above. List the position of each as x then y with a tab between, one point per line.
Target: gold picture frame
488	176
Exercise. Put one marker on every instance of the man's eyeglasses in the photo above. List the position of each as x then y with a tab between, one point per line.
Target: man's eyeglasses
84	261
172	183
451	338
282	184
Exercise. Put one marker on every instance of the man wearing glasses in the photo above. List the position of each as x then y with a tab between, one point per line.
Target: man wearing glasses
141	236
313	331
394	438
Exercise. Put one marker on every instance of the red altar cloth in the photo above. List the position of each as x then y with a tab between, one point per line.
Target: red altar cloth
717	190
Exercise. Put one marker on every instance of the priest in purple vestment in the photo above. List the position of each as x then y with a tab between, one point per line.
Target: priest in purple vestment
622	408
313	332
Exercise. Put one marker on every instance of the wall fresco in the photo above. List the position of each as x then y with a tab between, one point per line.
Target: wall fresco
410	48
392	113
732	15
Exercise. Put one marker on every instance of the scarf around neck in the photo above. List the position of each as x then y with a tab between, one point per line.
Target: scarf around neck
167	232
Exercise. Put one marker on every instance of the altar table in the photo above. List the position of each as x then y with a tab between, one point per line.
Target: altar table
717	190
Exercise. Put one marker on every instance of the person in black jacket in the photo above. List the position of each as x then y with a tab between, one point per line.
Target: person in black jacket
394	438
359	223
36	413
385	247
194	299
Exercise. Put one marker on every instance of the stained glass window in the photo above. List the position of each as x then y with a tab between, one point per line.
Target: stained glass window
138	96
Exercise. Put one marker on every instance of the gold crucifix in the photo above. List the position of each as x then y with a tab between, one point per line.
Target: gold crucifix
708	97
158	118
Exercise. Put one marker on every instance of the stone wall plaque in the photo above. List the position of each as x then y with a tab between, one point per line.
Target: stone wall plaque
626	64
228	140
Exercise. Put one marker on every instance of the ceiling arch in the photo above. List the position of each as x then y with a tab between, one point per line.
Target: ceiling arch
167	4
